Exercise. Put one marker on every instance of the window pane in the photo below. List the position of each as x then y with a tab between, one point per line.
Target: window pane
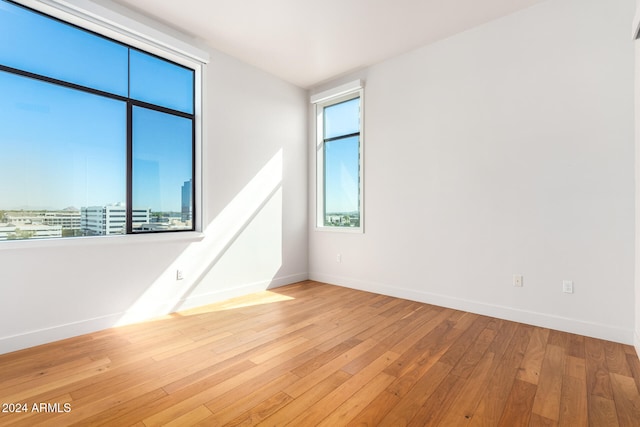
160	82
41	45
162	167
341	182
342	119
61	150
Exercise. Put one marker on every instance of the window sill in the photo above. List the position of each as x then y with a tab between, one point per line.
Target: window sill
348	230
129	239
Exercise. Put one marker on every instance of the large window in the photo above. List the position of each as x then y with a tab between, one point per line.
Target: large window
339	161
96	137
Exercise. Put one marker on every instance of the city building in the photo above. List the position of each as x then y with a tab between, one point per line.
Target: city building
10	231
164	223
187	205
68	219
41	224
110	219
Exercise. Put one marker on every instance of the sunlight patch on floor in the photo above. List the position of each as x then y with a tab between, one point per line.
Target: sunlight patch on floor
259	298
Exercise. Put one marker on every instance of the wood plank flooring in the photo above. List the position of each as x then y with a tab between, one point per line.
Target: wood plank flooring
312	354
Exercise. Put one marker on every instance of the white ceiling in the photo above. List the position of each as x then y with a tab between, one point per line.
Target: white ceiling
307	42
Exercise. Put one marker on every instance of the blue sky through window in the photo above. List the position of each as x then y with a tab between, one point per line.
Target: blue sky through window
62	147
342	157
46	161
341	175
161	159
342	119
44	46
160	82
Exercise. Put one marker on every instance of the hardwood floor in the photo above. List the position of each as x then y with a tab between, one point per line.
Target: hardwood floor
313	354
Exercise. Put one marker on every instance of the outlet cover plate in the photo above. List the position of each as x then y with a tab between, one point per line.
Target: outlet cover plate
518	280
567	286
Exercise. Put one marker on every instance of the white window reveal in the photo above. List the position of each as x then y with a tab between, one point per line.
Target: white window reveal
339	154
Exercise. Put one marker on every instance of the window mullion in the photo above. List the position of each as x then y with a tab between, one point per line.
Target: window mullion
335	138
129	204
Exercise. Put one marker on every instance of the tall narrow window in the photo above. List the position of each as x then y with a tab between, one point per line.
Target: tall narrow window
97	137
339	161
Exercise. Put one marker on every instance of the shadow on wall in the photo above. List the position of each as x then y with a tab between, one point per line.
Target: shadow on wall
258	198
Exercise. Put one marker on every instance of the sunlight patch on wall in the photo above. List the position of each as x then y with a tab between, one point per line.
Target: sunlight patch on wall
262	196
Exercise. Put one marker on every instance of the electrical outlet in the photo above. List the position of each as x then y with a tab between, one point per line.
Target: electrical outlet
518	280
339	258
179	275
567	286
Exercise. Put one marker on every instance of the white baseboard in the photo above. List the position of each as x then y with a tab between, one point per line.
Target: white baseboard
591	329
60	332
637	342
56	333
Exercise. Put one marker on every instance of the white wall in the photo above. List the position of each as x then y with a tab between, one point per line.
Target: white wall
255	183
637	159
507	149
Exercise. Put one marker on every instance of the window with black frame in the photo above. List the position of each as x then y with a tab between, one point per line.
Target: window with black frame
96	137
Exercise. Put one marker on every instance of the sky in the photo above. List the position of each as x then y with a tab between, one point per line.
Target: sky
341	175
161	159
62	147
341	157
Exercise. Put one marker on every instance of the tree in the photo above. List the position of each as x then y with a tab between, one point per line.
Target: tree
21	234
